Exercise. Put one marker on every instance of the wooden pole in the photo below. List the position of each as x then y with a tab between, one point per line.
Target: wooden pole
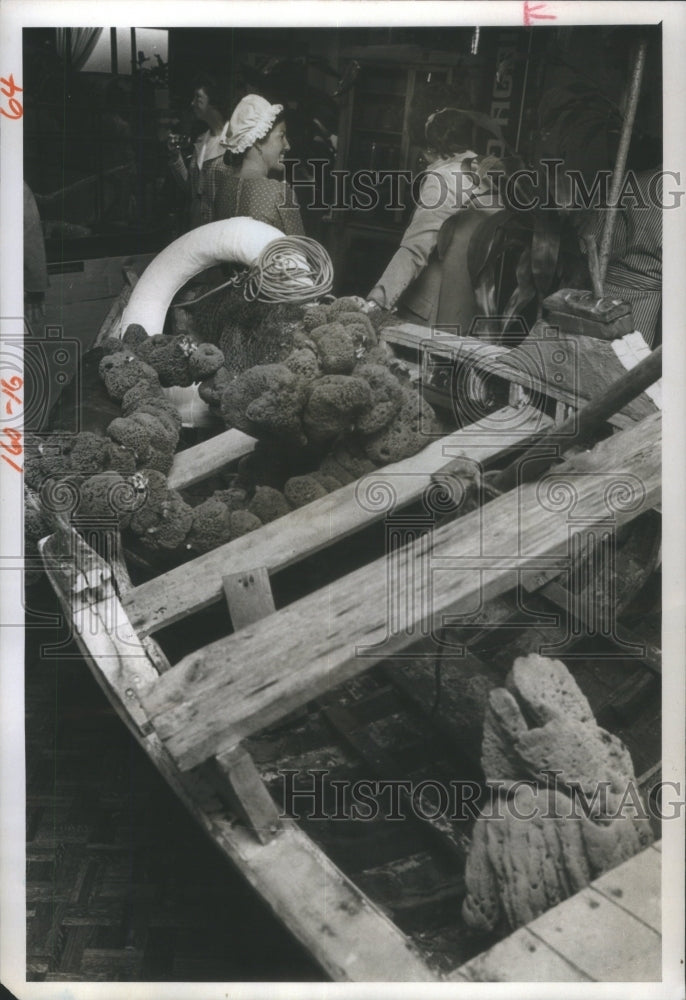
622	152
594	265
134	54
582	424
113	52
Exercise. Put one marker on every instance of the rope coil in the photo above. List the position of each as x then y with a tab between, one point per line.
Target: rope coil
291	269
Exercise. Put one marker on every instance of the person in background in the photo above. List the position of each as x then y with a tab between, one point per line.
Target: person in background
634	271
201	175
256	144
426	287
35	264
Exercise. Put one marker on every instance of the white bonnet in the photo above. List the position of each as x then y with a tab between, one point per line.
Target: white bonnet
252	119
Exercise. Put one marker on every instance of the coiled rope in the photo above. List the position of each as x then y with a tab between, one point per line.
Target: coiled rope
291	269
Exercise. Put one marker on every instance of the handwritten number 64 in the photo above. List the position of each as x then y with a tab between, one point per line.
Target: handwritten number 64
9	88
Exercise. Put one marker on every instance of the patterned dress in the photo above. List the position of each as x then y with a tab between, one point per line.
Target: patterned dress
259	198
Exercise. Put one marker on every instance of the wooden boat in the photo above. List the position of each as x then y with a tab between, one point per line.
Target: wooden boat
283	667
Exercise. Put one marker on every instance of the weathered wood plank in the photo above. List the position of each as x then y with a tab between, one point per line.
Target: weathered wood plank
194	464
337	923
585	426
521	957
581	928
301	533
636	886
215	697
249	596
237	781
82	582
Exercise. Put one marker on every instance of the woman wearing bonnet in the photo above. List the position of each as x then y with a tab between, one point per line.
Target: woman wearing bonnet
256	144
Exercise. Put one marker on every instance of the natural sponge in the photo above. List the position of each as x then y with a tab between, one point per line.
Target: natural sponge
131	434
179	360
212	388
211	526
410	431
336	350
268	504
121	371
105	498
542	750
304	363
266	399
301	490
334	405
387	398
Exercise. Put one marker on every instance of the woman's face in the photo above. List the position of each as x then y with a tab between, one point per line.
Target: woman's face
200	103
274	147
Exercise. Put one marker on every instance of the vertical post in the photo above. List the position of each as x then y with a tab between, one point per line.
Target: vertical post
522	103
622	152
113	52
134	61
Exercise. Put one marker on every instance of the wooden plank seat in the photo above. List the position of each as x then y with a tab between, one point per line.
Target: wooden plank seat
214	698
197	584
192	465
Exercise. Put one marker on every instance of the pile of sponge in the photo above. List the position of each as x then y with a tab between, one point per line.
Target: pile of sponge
337	386
331	409
120	478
